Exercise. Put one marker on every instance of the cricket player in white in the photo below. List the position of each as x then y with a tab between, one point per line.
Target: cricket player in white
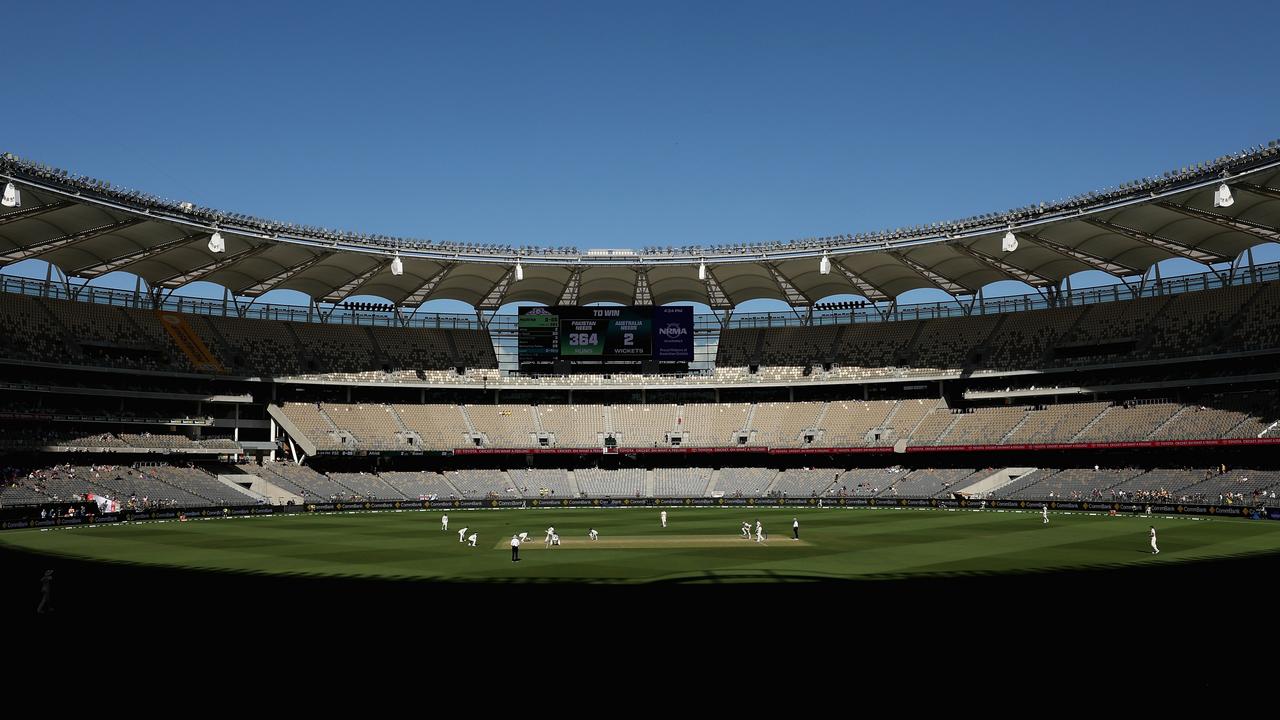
555	539
1154	550
550	532
524	537
664	518
471	539
1044	513
593	534
462	535
759	532
444	523
746	529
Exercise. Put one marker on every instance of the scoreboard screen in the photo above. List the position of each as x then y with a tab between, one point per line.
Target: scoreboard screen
605	333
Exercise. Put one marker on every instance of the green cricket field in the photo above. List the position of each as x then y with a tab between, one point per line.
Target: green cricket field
698	544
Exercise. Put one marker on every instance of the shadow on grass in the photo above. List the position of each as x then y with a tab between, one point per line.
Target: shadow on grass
85	590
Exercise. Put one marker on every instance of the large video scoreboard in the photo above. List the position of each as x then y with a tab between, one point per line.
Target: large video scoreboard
659	333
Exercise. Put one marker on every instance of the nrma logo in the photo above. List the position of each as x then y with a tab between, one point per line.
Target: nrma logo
673	331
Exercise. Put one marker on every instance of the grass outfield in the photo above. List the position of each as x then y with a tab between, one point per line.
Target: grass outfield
698	544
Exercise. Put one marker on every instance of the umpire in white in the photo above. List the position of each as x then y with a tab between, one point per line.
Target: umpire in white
515	548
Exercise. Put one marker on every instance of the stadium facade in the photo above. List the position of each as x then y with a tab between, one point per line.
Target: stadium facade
1152	389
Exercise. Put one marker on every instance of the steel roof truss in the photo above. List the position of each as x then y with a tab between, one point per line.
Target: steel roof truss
203	271
122	261
29	213
1159	243
420	295
47	246
941	282
268	284
352	286
1003	267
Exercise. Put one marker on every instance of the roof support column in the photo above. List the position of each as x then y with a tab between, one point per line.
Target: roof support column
324	316
1052	295
66	282
74	291
967	308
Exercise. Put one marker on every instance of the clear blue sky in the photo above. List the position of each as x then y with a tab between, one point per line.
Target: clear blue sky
630	124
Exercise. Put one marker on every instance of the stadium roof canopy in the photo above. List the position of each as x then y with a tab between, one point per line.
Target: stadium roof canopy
88	228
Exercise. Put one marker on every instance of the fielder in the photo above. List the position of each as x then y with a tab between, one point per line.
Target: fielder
1154	550
664	518
746	529
444	523
593	534
555	540
462	535
1044	513
471	539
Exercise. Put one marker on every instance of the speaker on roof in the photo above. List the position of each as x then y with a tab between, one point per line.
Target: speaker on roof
12	196
1223	198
